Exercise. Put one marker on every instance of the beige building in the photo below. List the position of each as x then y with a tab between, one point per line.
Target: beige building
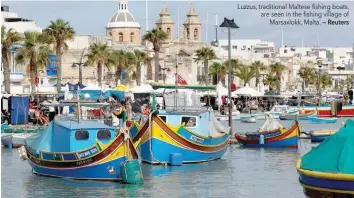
122	27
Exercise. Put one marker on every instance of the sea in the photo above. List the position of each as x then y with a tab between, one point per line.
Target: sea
241	172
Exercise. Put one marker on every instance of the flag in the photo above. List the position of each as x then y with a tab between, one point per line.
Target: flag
181	80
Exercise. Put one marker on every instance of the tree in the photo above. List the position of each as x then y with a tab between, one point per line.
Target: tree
218	70
35	50
245	73
271	81
59	32
277	69
140	57
258	67
118	59
99	54
205	54
308	76
129	60
326	80
8	38
156	37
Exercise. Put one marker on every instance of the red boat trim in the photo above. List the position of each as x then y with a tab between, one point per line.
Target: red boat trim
141	132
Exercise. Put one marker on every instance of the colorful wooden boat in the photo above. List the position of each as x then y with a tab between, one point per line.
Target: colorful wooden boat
326	111
84	149
280	137
159	141
328	169
251	119
304	116
321	135
315	119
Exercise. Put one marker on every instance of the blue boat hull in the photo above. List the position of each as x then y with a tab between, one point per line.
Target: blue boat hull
318	138
323	120
91	172
313	187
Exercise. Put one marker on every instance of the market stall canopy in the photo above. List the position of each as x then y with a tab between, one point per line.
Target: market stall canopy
142	89
246	91
194	87
122	88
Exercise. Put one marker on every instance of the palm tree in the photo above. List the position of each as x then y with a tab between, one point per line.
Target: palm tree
326	80
59	31
140	57
118	58
308	76
8	38
156	37
99	54
258	67
129	60
35	50
277	69
218	70
205	54
271	81
245	73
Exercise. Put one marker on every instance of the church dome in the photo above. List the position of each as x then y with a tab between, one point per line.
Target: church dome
123	18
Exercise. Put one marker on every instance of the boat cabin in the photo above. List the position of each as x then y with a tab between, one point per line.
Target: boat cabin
69	135
194	121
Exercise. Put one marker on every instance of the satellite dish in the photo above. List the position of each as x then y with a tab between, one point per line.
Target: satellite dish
70	96
87	96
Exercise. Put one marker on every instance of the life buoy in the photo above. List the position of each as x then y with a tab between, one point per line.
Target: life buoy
346	97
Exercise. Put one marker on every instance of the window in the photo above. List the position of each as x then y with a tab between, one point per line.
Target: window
103	134
132	37
110	33
234	47
82	135
187	33
189	121
163	118
169	33
195	34
120	37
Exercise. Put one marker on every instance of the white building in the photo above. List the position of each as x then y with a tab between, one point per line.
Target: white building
12	20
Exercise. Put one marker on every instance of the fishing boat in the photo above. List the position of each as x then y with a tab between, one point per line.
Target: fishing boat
277	110
271	134
328	169
251	119
180	134
14	136
329	111
303	116
79	148
321	135
315	119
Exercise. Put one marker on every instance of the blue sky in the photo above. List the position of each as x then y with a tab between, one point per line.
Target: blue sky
91	17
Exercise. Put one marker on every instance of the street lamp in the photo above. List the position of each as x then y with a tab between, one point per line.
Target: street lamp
319	64
229	24
80	64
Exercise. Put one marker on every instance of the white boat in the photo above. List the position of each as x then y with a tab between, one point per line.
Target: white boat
282	109
251	119
6	139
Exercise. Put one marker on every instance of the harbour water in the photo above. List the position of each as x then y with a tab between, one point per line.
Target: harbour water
242	172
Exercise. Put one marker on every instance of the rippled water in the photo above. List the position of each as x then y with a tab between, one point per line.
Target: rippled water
242	172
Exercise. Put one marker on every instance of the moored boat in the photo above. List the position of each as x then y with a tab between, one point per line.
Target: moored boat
79	149
315	119
304	116
328	169
321	135
180	135
251	119
271	134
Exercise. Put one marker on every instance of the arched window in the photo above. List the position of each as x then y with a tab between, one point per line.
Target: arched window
188	37
110	33
120	37
132	37
195	34
169	33
125	6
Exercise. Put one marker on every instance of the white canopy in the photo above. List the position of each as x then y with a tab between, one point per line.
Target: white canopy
142	89
246	91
